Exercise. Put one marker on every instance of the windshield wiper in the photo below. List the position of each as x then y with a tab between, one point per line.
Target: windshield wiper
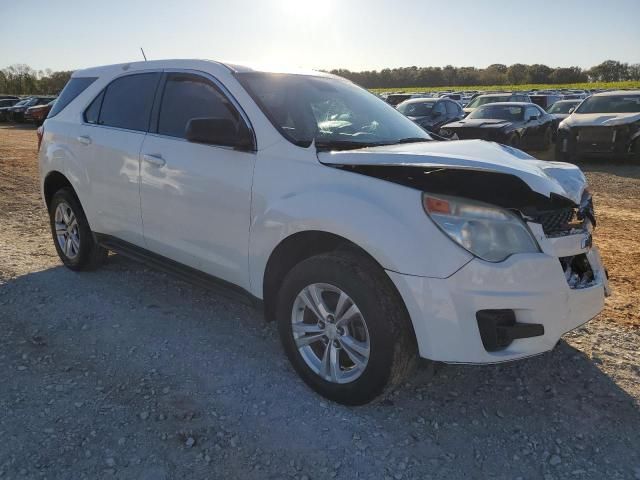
345	144
410	140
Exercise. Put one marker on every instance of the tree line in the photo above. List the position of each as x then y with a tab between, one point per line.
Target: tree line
21	79
496	74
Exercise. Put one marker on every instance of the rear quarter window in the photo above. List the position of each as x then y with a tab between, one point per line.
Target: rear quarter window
74	87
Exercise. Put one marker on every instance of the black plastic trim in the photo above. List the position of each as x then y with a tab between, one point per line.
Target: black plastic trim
498	329
180	270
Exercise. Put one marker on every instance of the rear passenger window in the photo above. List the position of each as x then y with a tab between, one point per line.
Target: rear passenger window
71	90
128	100
93	111
452	109
188	96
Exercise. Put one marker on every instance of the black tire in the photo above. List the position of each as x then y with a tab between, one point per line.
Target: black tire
547	139
514	140
559	155
393	349
89	255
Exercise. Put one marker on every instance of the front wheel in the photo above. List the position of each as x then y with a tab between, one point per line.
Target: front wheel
72	236
344	327
514	140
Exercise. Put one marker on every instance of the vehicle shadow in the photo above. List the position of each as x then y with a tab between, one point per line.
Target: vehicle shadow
553	415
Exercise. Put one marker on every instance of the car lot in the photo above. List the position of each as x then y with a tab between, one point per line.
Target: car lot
131	373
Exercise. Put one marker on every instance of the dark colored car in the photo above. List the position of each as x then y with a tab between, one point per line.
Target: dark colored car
431	113
545	101
485	99
8	102
395	99
605	124
16	113
5	109
561	110
38	113
519	124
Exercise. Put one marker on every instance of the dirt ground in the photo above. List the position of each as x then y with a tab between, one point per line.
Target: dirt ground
129	373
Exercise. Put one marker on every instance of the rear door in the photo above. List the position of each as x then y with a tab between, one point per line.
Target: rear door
115	125
196	197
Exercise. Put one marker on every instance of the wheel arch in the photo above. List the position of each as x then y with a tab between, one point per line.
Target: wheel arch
53	182
300	246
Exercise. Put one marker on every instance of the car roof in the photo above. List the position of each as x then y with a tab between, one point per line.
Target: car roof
422	100
508	104
194	63
500	94
570	100
617	92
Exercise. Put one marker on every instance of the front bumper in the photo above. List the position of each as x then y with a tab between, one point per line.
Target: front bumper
533	286
615	141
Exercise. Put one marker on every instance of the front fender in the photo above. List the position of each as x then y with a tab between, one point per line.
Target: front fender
383	218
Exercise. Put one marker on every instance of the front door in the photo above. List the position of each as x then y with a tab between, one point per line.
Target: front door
196	198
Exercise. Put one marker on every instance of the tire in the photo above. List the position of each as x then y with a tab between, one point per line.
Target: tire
514	140
77	248
559	155
547	139
380	322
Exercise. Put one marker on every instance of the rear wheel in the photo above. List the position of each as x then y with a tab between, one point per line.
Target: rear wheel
344	327
72	236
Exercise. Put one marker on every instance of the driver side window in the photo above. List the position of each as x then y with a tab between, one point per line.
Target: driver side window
439	108
531	112
187	96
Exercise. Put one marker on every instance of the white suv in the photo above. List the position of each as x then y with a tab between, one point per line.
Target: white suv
368	242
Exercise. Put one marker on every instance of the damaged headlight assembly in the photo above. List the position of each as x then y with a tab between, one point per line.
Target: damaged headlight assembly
486	231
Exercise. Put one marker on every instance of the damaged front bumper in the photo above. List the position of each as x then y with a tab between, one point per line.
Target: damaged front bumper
612	141
533	299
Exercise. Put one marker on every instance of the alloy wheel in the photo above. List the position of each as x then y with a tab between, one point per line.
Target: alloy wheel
330	333
67	230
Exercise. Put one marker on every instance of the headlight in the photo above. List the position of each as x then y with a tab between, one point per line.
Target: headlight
488	232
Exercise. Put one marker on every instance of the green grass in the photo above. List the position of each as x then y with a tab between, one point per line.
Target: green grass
539	86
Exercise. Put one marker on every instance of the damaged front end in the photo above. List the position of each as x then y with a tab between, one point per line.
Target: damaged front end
550	198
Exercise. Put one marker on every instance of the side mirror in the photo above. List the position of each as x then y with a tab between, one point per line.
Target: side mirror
571	110
218	131
437	114
533	118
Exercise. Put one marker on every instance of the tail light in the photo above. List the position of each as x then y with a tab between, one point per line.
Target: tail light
40	134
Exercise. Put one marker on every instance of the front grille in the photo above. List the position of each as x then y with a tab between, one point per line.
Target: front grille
556	220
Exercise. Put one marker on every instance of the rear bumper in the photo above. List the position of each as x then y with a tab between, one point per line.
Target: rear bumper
533	286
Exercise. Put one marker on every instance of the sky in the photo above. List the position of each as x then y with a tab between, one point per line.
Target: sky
320	34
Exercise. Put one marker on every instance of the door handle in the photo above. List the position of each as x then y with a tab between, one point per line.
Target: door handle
84	140
154	159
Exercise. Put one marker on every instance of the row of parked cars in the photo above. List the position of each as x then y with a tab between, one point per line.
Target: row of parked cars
579	123
30	109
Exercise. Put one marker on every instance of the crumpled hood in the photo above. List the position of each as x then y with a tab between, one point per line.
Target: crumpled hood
600	119
478	122
543	177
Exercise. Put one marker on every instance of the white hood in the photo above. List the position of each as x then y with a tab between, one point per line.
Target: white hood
543	177
599	119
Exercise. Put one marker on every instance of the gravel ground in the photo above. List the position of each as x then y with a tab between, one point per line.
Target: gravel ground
129	373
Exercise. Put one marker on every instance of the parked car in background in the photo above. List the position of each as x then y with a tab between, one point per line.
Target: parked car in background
518	124
395	99
431	113
8	102
545	101
605	124
367	242
38	113
5	110
495	98
17	112
561	110
9	97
